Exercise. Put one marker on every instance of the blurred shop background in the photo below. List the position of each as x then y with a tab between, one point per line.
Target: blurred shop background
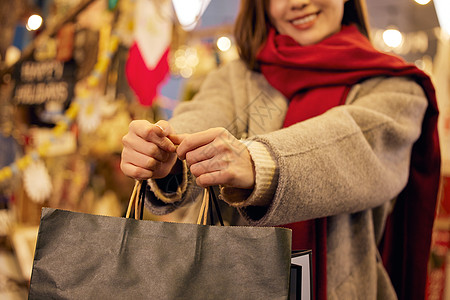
72	78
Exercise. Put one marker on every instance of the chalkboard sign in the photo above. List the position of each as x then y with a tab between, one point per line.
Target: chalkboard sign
46	88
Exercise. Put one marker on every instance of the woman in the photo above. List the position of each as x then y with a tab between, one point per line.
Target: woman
331	135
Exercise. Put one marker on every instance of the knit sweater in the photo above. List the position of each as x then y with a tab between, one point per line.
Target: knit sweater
348	165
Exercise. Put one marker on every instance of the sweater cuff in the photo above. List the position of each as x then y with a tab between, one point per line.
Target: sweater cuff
265	179
159	187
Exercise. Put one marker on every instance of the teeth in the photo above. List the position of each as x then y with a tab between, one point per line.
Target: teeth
304	20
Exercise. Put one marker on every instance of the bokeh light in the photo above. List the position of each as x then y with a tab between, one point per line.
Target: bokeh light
392	37
224	43
34	22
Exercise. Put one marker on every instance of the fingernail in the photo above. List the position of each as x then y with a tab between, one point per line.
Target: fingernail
162	129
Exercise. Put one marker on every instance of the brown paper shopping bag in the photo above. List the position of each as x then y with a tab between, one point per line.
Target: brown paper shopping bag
83	256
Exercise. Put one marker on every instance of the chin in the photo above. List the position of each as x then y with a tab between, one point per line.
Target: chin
307	42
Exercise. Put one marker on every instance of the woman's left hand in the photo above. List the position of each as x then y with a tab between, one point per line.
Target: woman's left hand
215	156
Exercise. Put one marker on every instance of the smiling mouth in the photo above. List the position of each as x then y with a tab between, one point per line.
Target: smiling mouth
304	20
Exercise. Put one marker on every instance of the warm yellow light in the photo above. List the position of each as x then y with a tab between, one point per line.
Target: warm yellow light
12	55
442	8
192	60
189	12
422	2
223	43
392	37
186	72
34	22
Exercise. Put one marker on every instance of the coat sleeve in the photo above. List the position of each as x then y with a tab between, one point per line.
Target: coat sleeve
351	158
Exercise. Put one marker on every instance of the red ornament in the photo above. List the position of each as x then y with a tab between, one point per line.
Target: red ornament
145	82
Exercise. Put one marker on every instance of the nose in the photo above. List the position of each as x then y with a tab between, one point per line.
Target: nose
298	4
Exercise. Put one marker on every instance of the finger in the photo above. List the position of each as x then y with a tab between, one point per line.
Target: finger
132	170
135	172
144	147
155	133
212	178
207	166
139	160
202	153
198	139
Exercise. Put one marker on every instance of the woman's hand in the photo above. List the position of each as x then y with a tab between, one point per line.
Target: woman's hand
147	150
215	157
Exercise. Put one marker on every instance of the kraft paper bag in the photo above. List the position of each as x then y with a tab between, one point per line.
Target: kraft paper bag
84	256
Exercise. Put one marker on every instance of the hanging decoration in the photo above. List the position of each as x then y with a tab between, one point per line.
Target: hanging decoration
88	97
37	182
89	115
103	62
112	4
147	66
145	82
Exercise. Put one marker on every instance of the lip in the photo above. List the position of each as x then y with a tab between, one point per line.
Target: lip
305	21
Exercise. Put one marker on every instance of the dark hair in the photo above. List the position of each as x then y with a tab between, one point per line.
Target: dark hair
355	13
252	25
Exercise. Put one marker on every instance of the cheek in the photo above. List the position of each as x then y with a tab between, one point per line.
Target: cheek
276	9
334	13
339	9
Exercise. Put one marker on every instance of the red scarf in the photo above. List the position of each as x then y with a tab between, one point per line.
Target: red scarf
318	77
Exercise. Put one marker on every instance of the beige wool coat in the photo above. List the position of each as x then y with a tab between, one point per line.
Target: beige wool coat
348	165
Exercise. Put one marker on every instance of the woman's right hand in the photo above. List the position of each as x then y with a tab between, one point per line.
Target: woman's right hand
147	150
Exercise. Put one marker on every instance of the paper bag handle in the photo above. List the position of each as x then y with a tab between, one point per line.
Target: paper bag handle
209	199
136	203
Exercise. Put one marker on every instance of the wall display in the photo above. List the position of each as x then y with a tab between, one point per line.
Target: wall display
45	88
9	15
65	44
9	151
6	221
63	144
37	182
24	241
90	115
70	176
85	51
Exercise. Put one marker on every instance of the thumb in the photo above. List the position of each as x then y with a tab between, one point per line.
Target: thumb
177	138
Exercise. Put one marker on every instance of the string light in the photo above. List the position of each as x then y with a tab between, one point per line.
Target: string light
185	61
392	38
223	43
12	55
34	22
422	2
189	12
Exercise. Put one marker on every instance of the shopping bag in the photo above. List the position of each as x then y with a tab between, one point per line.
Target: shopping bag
84	256
301	275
